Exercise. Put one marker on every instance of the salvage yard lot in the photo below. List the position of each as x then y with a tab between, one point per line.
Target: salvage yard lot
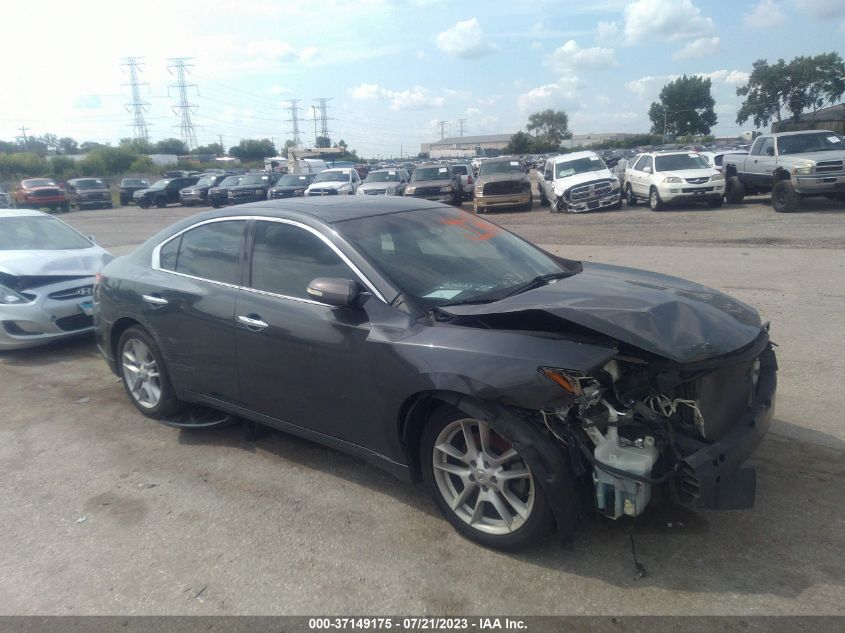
107	512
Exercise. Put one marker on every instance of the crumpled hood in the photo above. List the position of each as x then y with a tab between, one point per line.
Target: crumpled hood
72	263
673	318
577	179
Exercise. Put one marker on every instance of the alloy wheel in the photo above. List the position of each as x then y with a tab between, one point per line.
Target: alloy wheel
141	373
482	478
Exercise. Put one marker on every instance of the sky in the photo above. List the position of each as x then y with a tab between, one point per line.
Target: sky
392	69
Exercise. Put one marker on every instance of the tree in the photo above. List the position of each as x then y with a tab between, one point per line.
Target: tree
550	127
805	83
520	143
685	108
137	145
324	141
215	149
66	145
88	146
288	144
62	167
171	146
253	149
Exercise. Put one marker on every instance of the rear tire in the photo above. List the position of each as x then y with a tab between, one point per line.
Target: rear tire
161	203
734	190
469	477
784	197
144	374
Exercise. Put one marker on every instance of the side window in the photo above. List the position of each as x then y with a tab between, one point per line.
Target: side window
638	166
213	251
755	149
167	254
286	258
768	144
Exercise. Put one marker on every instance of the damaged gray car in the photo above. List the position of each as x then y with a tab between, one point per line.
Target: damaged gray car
436	344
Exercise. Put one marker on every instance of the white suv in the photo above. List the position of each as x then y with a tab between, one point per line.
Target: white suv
665	177
335	181
578	182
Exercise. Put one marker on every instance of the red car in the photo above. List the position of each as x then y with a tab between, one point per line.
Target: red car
35	193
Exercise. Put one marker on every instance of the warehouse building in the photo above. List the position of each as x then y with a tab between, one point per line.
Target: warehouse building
467	146
832	118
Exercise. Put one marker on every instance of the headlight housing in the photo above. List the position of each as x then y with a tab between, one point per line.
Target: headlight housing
410	190
446	189
10	297
673	180
360	191
803	170
716	177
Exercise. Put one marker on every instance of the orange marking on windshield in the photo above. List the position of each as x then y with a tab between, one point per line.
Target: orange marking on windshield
478	231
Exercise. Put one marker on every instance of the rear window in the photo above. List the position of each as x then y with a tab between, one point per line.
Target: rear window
460	169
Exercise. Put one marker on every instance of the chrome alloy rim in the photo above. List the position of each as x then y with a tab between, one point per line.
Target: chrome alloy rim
141	373
482	478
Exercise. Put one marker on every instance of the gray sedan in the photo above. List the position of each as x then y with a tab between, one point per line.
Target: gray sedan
47	273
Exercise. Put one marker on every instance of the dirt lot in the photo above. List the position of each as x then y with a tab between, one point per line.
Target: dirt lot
107	512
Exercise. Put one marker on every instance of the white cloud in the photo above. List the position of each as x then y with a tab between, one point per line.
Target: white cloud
821	8
416	98
466	39
473	111
559	94
701	47
669	20
279	51
646	86
729	77
766	14
279	90
607	32
571	57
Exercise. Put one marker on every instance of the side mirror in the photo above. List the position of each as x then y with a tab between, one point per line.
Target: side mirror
648	170
334	291
92	238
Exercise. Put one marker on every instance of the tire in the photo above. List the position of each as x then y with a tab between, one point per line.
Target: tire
144	205
138	359
784	197
215	205
65	207
654	201
630	198
161	203
618	205
477	209
482	521
716	203
528	206
734	190
544	201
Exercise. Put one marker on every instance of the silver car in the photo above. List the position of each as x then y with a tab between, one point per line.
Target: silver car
384	182
47	274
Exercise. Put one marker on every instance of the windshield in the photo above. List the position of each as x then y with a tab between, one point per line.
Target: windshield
38	233
501	167
90	183
431	173
578	166
439	256
291	180
205	181
134	182
230	181
160	184
384	176
39	182
333	175
677	162
254	179
803	143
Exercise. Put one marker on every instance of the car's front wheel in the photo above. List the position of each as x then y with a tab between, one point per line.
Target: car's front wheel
654	201
630	198
144	375
481	484
784	197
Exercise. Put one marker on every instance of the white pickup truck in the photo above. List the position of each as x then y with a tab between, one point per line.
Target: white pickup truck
790	165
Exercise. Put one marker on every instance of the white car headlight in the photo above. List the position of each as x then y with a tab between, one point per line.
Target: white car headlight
716	177
673	179
803	170
446	189
10	297
410	190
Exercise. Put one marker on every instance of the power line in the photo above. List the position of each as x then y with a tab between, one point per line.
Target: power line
324	115
183	107
138	105
294	121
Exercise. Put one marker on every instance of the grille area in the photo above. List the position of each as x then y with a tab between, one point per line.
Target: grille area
326	191
75	322
691	190
697	181
427	191
590	191
73	293
374	192
502	188
46	193
828	166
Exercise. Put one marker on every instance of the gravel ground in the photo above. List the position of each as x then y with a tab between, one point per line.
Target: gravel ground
106	512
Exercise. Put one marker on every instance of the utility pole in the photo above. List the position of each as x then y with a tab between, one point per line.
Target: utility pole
294	121
314	111
183	107
324	115
23	134
138	106
220	140
442	125
461	124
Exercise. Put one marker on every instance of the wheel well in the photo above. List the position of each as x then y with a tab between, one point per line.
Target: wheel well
781	174
117	330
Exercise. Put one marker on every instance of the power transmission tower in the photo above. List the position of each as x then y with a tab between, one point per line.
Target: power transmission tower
314	112
324	115
183	107
461	124
294	122
442	125
138	105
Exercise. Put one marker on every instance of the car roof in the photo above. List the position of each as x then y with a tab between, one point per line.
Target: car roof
797	132
21	213
573	156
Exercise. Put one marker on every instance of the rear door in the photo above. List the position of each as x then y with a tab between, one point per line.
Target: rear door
188	302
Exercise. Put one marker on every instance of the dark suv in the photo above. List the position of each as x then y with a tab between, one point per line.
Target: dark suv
219	195
198	194
291	186
163	192
129	186
252	188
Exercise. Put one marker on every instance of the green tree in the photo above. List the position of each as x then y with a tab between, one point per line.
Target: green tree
62	167
324	141
66	145
520	143
215	149
9	148
88	146
22	165
777	90
142	165
550	127
253	149
288	144
137	145
171	146
107	161
685	108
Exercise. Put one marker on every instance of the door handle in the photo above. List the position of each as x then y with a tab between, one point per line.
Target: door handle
253	322
156	301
